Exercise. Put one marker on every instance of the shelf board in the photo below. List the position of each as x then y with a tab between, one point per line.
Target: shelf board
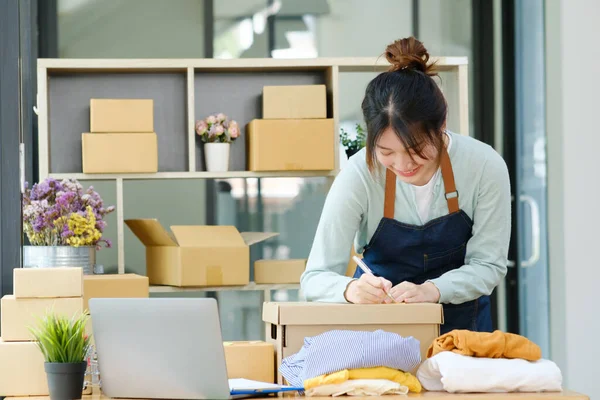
197	175
250	286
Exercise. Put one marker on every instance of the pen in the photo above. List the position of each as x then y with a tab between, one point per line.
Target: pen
367	270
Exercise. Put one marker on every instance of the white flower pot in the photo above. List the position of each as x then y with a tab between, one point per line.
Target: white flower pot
217	156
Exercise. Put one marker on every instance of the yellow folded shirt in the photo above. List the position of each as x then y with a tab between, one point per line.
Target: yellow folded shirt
400	377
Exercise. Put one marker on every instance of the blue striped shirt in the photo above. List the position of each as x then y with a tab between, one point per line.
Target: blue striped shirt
338	350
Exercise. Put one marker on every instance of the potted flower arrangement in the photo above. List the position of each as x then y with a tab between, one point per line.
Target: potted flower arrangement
64	345
64	224
352	146
217	132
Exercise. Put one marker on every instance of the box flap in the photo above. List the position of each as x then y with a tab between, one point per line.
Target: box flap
150	232
306	313
256	237
207	236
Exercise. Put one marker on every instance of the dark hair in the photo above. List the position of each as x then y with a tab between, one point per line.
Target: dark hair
407	99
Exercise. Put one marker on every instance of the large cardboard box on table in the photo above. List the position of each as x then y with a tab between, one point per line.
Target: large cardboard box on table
22	370
114	286
113	153
287	324
254	360
17	315
195	255
294	102
291	144
121	115
48	282
278	271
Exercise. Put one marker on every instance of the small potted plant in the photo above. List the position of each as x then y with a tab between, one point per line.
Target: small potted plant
352	146
217	132
64	345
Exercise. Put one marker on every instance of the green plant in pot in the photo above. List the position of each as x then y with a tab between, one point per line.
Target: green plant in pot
64	344
352	146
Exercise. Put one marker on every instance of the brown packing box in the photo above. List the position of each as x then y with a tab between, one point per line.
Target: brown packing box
287	324
114	153
196	255
290	145
278	271
48	282
114	286
254	360
17	315
121	115
294	101
22	370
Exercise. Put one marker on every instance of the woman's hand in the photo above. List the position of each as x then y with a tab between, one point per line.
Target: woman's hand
410	293
368	289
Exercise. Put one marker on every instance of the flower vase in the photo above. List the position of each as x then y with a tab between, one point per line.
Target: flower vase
217	156
60	256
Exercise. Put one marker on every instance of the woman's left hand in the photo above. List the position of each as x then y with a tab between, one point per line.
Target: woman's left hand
410	293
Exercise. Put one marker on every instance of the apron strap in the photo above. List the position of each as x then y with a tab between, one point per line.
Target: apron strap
449	186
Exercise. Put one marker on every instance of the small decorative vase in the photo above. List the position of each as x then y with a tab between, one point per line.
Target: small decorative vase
65	380
217	156
60	256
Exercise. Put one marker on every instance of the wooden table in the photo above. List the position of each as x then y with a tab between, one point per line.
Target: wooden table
565	395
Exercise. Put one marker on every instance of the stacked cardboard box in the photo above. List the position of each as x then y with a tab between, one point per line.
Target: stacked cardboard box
36	290
121	137
294	133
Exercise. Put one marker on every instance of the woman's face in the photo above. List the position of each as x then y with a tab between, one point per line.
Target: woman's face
407	166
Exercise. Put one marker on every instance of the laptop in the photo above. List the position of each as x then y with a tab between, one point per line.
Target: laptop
157	348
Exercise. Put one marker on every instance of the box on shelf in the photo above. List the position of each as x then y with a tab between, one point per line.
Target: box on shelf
22	370
287	324
114	286
17	315
114	153
121	115
48	282
279	271
196	255
290	145
294	101
254	360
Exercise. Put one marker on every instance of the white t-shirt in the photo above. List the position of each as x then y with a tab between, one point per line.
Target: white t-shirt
424	194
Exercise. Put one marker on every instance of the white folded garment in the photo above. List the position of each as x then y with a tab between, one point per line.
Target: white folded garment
456	373
359	387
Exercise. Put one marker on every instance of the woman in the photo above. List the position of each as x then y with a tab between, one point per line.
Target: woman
429	209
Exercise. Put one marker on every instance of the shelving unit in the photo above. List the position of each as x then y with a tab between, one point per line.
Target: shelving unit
185	90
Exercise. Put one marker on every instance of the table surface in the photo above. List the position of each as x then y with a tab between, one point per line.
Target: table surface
564	395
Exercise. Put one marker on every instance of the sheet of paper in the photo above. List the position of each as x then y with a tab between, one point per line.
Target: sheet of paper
247	384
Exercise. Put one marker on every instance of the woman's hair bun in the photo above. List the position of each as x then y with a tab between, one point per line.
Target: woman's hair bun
409	53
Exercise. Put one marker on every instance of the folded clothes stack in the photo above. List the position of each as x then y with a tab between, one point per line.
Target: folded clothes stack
340	362
462	361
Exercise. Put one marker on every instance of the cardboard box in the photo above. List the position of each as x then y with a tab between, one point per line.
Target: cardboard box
48	282
278	271
287	324
290	145
254	360
22	370
17	315
121	115
294	102
115	153
197	256
114	286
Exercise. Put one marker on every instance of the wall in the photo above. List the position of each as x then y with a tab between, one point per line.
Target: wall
573	57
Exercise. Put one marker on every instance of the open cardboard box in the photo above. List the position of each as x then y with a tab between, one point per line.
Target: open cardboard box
287	324
194	255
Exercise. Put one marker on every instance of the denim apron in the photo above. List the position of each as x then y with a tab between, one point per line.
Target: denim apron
402	252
